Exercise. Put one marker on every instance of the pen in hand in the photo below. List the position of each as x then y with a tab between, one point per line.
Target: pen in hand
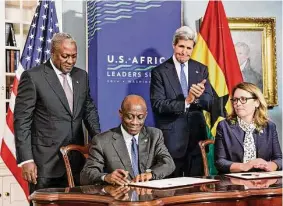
126	174
250	174
246	174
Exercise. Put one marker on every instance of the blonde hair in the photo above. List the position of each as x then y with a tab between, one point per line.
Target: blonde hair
260	114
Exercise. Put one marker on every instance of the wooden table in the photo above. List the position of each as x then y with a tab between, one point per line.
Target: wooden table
228	191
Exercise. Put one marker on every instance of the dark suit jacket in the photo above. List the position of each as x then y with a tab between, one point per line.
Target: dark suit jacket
182	129
229	145
43	121
108	152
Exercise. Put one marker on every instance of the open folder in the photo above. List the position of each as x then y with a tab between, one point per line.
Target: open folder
173	182
255	175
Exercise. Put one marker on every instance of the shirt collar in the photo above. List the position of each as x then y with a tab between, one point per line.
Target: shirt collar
127	136
57	71
178	63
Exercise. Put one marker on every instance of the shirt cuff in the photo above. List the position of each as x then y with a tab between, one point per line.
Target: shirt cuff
103	177
22	163
187	106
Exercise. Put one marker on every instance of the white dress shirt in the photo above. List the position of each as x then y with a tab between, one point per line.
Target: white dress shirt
178	70
128	141
58	73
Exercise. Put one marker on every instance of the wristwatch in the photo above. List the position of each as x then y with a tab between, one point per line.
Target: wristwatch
196	101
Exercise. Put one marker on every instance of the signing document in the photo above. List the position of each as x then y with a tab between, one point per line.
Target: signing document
173	182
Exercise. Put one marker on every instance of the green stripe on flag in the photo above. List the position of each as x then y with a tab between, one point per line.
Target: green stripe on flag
210	155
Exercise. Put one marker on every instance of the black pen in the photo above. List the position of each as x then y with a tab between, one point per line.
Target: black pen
246	174
250	174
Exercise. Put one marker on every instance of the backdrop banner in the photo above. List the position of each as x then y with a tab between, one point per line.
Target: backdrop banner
126	39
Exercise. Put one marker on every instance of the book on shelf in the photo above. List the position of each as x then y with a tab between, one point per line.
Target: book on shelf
12	60
9	86
10	35
8	52
9	91
7	107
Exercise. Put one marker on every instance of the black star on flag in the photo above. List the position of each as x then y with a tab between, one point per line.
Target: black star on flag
218	107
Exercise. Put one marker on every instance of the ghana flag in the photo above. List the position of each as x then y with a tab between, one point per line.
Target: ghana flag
215	49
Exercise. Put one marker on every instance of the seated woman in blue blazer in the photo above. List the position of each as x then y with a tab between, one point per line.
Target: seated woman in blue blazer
246	140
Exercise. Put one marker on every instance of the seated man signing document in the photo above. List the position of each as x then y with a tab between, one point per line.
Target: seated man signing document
129	152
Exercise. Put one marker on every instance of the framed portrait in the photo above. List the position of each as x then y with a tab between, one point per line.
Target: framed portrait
254	40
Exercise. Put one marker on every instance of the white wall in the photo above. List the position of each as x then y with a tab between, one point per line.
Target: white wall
248	9
74	22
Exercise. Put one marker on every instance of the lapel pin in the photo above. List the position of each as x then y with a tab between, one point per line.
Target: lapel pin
145	140
197	72
77	82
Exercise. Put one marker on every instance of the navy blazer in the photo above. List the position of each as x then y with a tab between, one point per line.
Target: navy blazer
229	145
182	129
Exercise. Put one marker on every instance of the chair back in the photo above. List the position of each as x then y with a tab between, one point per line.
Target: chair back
202	145
65	150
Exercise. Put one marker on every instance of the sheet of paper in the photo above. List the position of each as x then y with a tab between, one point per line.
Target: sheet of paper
280	173
254	175
173	182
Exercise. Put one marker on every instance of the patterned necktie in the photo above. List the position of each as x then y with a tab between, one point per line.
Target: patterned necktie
183	79
135	158
249	144
68	91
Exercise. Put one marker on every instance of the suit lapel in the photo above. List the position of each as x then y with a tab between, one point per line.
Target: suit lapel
143	150
76	88
172	76
260	142
194	74
122	151
55	84
238	134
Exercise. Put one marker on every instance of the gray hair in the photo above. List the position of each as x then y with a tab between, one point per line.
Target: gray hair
244	46
58	38
184	33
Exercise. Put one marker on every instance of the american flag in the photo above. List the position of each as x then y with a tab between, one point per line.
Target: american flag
36	51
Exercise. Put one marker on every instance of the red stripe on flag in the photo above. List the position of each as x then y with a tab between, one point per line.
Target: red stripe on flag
10	120
215	31
15	86
11	163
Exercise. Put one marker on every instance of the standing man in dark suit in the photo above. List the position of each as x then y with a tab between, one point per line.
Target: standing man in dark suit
53	99
179	92
130	151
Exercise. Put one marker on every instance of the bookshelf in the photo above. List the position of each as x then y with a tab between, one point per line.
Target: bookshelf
18	15
15	19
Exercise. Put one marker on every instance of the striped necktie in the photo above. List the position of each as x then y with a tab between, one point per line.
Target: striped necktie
68	91
135	157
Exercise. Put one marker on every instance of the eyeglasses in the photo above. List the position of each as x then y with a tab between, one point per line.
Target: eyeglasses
243	100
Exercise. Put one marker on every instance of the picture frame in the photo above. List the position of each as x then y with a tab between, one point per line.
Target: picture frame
260	37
